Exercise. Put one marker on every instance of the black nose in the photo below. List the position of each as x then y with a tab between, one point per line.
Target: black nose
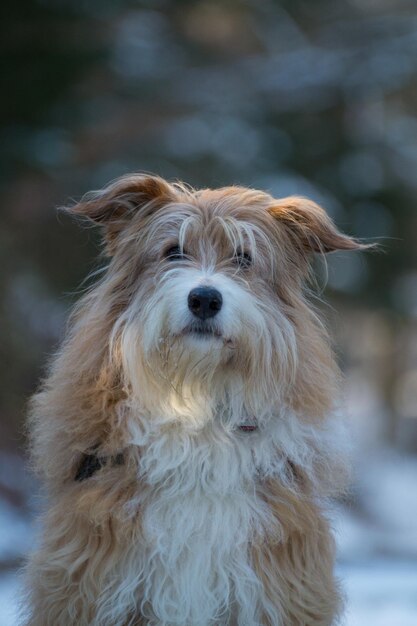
205	302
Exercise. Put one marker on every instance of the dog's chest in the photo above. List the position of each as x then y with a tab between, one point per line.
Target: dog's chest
199	519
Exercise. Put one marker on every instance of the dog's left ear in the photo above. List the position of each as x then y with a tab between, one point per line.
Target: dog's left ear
113	207
309	226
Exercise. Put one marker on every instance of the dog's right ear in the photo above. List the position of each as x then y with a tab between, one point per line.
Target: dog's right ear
114	206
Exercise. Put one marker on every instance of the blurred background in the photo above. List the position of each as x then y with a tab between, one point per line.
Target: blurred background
292	96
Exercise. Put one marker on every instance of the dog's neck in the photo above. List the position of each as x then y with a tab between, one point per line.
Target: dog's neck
92	460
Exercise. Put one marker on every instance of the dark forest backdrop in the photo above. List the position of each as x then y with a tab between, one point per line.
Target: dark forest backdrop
317	98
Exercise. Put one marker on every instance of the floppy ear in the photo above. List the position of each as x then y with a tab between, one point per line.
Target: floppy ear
114	206
310	227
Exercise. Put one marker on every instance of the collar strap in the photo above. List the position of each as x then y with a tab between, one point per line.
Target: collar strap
92	463
248	428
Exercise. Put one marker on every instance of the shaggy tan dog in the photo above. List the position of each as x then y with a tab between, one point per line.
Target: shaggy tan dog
185	432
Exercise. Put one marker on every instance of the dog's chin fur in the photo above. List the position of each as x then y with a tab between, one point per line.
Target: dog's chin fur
227	425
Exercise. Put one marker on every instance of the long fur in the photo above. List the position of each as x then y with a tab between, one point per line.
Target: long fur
203	523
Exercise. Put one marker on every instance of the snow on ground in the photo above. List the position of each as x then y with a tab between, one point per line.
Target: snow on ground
380	593
16	532
377	542
9	597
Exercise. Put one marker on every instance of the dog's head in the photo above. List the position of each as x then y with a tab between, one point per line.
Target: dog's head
203	298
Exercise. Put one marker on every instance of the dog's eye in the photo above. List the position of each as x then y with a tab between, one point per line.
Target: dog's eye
243	259
175	254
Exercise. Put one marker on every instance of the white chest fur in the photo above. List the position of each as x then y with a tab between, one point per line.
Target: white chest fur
200	515
198	526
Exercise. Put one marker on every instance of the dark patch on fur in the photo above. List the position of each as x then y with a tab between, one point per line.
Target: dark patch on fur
92	463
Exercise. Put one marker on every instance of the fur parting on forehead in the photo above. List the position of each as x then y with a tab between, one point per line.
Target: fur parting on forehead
188	224
245	236
173	222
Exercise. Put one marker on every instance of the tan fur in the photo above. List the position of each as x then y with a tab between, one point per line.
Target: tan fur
102	374
297	569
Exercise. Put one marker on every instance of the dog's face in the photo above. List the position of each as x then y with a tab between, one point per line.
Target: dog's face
204	292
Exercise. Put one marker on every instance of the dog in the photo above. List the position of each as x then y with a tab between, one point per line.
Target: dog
186	433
